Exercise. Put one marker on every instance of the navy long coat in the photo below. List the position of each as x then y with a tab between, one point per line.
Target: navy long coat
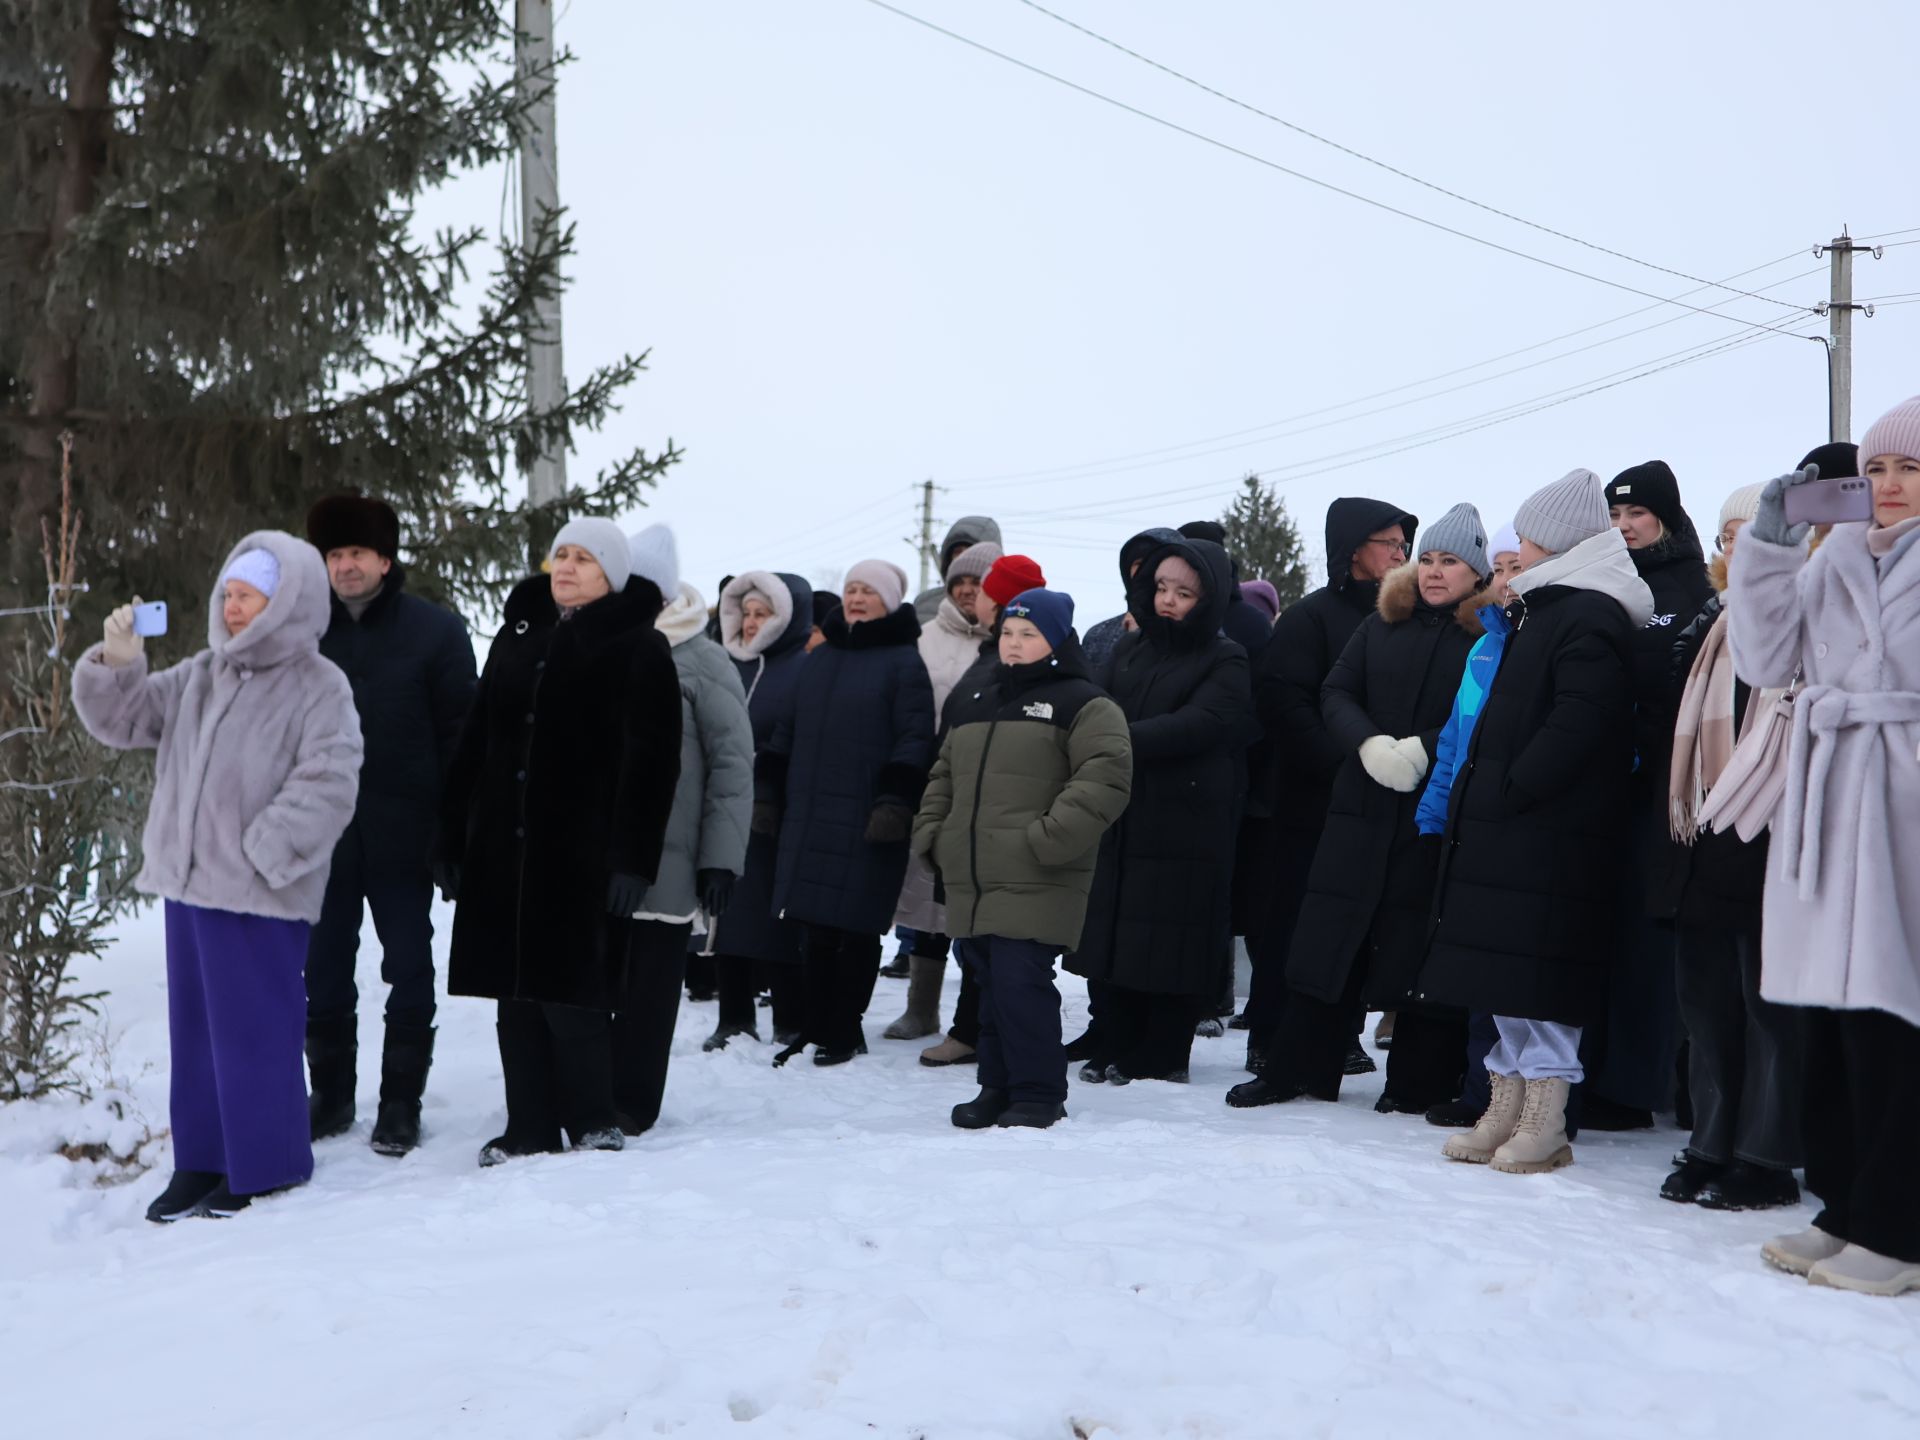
860	728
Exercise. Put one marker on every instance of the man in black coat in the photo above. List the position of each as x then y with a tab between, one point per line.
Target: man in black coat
1365	540
411	666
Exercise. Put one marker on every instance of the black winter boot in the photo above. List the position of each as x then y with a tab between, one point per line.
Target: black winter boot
1461	1114
1358	1061
1031	1114
332	1047
404	1061
981	1111
185	1190
1689	1178
1744	1186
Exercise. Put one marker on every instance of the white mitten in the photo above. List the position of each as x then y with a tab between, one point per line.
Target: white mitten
1381	756
1416	756
120	646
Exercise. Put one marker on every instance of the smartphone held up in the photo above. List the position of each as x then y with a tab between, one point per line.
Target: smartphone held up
1840	501
150	619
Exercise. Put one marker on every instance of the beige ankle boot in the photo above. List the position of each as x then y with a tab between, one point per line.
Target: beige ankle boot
1494	1127
1539	1141
923	1001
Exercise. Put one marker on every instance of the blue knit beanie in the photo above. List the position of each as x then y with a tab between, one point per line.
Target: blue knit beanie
1050	611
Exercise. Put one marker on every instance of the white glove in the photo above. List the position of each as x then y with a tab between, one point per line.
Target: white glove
1387	765
122	646
1416	756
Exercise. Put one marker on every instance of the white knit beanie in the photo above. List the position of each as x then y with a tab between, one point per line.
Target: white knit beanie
602	539
1895	433
654	555
1559	516
884	578
1506	541
1742	504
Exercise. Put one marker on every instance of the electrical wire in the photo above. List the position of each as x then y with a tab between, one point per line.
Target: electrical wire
1393	169
1412	440
1005	479
1327	185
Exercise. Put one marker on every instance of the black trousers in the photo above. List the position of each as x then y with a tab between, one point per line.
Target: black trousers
840	969
1863	1128
1020	1046
1426	1064
400	897
1149	1036
1310	1044
643	1025
966	1008
740	983
557	1062
1745	1063
1482	1036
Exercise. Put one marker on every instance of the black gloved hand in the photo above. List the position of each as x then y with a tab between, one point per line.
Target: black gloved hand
446	877
716	891
626	893
766	818
890	822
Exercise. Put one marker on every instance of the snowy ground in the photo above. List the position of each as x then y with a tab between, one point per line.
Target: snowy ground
818	1253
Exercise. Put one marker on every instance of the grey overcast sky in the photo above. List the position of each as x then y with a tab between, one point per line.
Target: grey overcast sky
864	254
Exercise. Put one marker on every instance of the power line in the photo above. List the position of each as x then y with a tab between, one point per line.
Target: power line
1001	481
1328	185
1393	169
1418	439
1191	454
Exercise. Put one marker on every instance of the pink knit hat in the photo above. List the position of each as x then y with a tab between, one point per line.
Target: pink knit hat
1895	433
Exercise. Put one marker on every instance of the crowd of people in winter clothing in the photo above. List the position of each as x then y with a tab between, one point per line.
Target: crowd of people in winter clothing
1605	826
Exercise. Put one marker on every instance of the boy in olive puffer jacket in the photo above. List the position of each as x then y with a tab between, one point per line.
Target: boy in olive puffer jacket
1036	765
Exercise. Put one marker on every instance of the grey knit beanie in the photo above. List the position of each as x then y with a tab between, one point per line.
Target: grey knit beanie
1895	433
653	555
1459	532
1561	515
602	539
976	560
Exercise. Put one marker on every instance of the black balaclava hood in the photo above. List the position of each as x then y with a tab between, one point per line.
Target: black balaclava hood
1203	622
1141	546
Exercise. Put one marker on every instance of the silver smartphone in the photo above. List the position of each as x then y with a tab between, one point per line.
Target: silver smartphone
1830	502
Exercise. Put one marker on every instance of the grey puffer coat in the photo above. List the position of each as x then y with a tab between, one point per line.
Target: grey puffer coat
259	749
713	801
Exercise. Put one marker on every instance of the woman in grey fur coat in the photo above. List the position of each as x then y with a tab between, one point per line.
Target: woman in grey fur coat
255	779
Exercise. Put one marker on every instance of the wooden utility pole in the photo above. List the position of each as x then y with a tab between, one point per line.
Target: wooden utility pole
1840	307
539	199
927	554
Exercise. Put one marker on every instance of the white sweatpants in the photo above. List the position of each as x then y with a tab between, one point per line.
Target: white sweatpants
1536	1050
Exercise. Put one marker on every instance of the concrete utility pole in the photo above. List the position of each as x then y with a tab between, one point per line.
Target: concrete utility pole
1840	307
927	555
539	198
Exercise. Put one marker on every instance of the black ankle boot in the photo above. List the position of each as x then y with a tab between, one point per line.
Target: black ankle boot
332	1048
981	1111
185	1190
1742	1186
404	1061
1031	1114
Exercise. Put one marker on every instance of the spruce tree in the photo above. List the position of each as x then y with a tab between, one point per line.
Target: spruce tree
209	274
1262	537
210	279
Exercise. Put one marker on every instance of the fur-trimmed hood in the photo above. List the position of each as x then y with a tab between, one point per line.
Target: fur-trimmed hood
1400	598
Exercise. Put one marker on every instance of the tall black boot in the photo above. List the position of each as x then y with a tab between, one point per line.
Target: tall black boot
331	1050
404	1061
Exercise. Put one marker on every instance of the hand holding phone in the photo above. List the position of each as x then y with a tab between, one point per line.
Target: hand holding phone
1840	501
150	619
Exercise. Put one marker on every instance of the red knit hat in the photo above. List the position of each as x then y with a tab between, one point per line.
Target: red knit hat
1012	575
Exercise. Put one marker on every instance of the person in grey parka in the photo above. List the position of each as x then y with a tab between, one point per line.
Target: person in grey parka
1840	932
706	841
255	779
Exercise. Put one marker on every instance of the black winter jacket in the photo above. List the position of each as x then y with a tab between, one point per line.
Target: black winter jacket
1527	906
410	663
1296	769
1718	881
1159	918
1676	572
1371	888
860	730
564	776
